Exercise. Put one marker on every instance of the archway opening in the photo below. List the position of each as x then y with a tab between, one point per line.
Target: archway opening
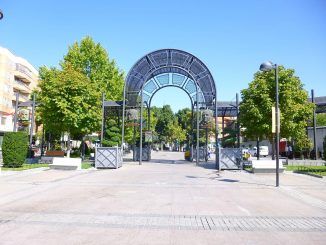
179	101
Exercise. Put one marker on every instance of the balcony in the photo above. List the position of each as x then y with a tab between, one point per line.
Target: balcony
22	97
21	86
23	73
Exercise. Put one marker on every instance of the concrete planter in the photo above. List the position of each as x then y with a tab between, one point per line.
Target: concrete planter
108	157
65	163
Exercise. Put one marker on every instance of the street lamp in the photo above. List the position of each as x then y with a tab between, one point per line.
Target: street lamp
267	66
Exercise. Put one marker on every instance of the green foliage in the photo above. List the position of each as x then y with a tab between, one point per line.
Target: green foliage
175	132
257	102
316	170
112	135
93	61
14	149
321	119
71	96
165	117
230	137
26	166
68	101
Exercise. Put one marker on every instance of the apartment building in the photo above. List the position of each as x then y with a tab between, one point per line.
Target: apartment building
17	76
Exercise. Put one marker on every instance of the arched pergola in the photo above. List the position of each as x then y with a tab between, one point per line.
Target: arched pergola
170	67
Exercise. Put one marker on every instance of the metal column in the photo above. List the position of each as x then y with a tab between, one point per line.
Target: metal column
16	111
197	125
277	129
206	142
141	128
238	121
32	127
123	118
102	128
217	148
314	122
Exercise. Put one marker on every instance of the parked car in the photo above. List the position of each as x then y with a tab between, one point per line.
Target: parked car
263	151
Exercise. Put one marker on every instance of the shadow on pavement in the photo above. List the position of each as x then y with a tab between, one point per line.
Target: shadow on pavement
164	161
229	180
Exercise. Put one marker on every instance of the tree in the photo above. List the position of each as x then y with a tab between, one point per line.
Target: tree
70	96
165	117
92	59
257	102
69	102
321	119
175	133
184	120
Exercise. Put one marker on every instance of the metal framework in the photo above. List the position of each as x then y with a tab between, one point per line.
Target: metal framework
32	104
320	103
170	67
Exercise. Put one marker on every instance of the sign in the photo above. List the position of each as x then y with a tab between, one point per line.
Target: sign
274	120
148	136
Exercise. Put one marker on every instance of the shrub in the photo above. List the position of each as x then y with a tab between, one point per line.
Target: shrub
112	135
14	149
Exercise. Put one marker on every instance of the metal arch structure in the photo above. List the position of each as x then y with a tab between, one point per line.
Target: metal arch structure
157	70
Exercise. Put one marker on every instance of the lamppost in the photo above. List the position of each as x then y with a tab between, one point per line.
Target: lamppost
267	66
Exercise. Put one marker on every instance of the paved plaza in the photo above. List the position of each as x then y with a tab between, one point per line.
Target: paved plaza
166	201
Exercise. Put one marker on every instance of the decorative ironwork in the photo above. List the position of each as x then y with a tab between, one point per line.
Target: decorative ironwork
132	114
207	116
169	67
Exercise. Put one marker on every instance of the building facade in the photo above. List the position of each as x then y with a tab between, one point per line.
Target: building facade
17	76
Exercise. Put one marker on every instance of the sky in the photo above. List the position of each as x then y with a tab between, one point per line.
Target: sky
231	37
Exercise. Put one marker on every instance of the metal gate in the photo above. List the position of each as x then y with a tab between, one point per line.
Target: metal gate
230	158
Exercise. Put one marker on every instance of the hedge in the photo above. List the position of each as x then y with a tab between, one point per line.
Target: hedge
14	149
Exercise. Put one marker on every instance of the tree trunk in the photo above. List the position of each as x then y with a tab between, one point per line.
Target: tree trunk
68	146
83	147
273	148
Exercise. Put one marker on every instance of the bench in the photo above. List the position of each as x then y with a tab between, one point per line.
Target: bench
266	166
64	163
49	155
55	154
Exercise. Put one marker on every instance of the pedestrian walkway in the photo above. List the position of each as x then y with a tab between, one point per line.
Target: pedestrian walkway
166	201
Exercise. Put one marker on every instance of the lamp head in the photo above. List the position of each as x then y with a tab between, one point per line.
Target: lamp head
267	66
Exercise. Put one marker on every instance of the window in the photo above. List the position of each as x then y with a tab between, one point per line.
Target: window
3	120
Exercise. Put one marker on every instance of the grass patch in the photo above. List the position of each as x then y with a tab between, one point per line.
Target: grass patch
317	170
248	168
86	165
26	167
